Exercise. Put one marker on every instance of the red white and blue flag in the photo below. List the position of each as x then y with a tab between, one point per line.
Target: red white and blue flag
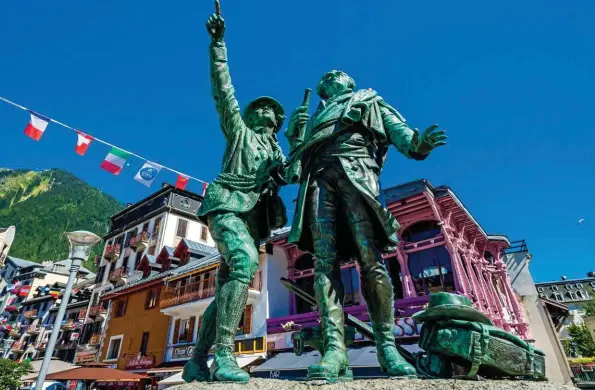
82	143
36	126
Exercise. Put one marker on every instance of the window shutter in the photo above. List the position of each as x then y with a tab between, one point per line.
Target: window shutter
158	292
176	330
248	320
148	299
190	333
124	308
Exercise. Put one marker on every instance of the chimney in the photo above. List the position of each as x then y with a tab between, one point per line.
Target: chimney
563	277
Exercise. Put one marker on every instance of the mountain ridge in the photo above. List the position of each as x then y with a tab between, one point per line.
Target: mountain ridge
43	205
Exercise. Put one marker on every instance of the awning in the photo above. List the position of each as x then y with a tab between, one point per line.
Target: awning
55	366
165	370
99	374
287	365
243	361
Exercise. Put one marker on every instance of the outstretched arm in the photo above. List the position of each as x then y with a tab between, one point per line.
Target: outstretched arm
222	89
406	139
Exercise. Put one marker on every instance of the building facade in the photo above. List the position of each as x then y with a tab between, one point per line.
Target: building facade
6	239
137	236
441	248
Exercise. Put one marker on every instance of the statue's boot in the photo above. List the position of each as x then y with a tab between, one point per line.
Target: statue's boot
196	369
334	364
378	293
231	302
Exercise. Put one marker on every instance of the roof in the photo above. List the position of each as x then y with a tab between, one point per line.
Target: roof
55	366
170	250
94	373
198	248
567	281
416	187
67	262
213	258
22	263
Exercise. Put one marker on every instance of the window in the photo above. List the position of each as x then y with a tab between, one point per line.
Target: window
204	233
182	228
128	238
137	259
568	287
152	298
350	278
540	289
152	249
555	288
558	297
592	284
113	351
184	330
582	294
125	264
431	270
157	227
542	296
143	344
578	285
120	308
572	295
146	227
420	231
245	322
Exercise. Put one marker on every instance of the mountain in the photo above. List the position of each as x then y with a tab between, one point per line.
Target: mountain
43	205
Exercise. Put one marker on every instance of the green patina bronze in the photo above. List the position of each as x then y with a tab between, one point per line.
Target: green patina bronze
241	206
337	156
456	335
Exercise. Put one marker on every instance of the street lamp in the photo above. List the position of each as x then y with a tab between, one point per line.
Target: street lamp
81	243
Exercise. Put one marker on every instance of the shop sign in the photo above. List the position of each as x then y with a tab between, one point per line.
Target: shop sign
140	362
182	352
85	357
405	327
74	336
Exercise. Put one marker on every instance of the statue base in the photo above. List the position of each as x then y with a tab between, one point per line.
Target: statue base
378	384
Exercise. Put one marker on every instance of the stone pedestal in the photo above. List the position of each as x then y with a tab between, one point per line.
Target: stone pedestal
379	384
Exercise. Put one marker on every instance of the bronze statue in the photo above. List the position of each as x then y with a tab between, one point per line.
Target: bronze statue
337	156
241	207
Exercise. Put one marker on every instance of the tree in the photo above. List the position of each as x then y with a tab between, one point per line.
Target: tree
11	373
583	341
589	308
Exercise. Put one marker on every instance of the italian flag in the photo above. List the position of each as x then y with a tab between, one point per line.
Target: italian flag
115	160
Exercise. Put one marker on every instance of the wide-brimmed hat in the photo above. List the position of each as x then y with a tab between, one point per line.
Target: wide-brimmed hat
445	306
277	109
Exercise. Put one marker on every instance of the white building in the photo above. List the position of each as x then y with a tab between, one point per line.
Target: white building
138	234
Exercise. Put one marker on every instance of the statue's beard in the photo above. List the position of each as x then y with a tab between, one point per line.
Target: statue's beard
263	123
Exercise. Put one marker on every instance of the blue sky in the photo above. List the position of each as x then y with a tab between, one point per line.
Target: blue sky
512	82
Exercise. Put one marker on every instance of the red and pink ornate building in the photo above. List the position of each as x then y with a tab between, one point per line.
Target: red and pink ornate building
441	248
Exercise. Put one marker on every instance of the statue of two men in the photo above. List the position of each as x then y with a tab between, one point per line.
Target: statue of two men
336	157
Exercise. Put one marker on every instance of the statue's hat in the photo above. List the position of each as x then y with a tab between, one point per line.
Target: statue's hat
446	306
277	108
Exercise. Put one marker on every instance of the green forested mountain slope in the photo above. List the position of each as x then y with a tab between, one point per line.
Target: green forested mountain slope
43	205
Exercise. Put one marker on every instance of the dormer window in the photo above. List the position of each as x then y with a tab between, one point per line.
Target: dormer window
555	288
568	286
540	289
558	297
572	295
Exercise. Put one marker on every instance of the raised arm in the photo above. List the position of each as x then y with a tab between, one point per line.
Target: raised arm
222	90
407	140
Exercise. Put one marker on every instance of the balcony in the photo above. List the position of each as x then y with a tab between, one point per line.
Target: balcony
198	291
116	274
15	332
66	344
112	252
33	329
68	325
96	310
95	339
42	346
140	241
16	346
82	313
30	314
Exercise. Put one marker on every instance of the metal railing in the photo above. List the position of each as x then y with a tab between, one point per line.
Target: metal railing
116	274
517	246
583	373
97	309
30	313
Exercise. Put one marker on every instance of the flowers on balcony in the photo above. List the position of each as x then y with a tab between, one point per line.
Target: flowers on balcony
112	251
11	309
140	241
116	274
68	325
30	313
33	329
95	339
17	346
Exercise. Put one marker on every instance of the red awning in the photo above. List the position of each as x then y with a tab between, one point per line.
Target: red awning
102	374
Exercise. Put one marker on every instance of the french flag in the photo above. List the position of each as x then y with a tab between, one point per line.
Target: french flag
36	126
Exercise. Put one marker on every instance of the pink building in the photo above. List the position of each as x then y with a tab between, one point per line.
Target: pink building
441	248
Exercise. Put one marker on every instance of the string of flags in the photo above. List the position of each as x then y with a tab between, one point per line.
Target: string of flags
114	161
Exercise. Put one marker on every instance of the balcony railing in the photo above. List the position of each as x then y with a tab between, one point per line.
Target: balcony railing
68	325
33	329
95	339
16	346
198	291
96	310
140	241
116	274
42	345
112	251
30	314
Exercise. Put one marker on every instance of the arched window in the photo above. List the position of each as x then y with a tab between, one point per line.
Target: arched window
422	230
431	270
488	256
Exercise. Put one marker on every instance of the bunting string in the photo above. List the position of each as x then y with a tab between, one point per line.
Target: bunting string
182	177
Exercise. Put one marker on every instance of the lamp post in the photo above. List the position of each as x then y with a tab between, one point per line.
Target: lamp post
81	243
